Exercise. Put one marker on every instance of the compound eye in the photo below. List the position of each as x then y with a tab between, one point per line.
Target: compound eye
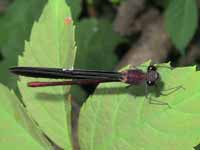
150	83
151	67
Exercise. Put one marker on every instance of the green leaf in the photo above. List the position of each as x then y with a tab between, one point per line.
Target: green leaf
12	134
51	45
181	22
15	28
163	3
119	118
96	41
116	1
90	2
75	6
13	106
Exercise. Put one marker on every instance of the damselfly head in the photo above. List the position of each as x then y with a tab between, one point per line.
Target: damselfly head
152	75
151	67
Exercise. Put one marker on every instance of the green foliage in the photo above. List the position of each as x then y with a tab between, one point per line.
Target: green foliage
181	22
115	117
15	27
119	118
90	2
163	3
116	1
95	41
75	7
15	122
12	135
51	44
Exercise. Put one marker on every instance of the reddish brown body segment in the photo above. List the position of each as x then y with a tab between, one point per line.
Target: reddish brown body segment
134	76
73	82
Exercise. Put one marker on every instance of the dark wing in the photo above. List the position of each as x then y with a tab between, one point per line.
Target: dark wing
57	73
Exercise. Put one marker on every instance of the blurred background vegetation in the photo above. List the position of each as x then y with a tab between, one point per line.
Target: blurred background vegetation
110	34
